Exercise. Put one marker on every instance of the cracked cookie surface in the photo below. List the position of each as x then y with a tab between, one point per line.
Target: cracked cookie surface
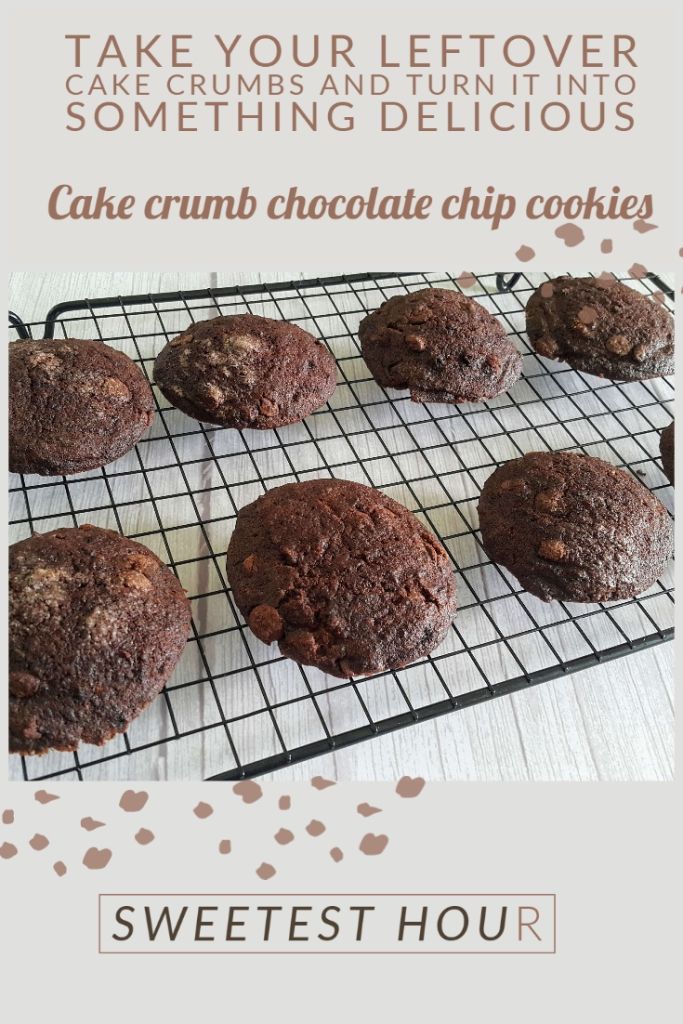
341	577
97	625
73	406
246	371
571	527
601	326
441	345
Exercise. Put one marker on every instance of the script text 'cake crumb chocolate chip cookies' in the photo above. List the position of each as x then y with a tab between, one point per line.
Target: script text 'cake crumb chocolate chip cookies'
246	371
73	406
97	625
601	326
573	528
666	449
341	576
441	345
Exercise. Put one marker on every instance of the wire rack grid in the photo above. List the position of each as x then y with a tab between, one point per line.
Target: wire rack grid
234	708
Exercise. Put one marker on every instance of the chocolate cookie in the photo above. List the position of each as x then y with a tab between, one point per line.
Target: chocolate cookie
574	528
342	577
73	406
441	345
601	326
246	371
666	448
97	624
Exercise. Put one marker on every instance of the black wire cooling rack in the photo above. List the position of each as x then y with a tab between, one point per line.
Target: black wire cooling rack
234	708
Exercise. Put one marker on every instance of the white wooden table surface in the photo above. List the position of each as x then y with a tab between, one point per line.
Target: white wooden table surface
611	722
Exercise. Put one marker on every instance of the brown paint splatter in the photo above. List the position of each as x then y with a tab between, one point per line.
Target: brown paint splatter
407	787
642	227
284	836
43	797
373	845
8	850
96	859
265	871
336	854
132	801
525	253
318	782
547	290
38	842
144	836
367	809
571	234
8	816
203	810
249	791
638	271
284	803
315	828
90	824
225	846
606	246
588	315
466	279
59	868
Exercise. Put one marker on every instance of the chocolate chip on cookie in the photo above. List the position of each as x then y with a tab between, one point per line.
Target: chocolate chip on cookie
573	528
441	345
341	577
73	406
246	371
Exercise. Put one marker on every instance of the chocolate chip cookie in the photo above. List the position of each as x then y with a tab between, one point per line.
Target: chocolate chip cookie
573	528
97	624
73	406
246	371
441	345
666	448
341	576
601	326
